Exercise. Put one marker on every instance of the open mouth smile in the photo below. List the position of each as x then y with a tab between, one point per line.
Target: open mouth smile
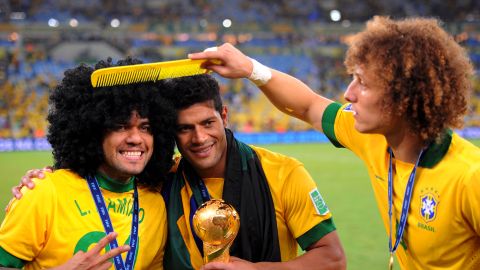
132	155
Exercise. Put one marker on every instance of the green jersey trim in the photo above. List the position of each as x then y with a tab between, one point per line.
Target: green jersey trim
436	151
316	233
110	184
8	260
328	122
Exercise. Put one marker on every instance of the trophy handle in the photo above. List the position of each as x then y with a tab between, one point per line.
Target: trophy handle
218	253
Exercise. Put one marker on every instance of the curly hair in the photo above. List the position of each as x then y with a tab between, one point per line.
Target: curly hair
186	91
80	116
425	73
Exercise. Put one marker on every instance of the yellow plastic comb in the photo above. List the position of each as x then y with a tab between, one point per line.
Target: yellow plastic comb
152	72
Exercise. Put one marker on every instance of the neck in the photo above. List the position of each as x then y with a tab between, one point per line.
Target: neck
114	185
218	171
122	180
406	146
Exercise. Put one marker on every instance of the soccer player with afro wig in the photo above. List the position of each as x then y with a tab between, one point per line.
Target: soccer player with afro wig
112	149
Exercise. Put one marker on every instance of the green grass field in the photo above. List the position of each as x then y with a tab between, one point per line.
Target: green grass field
341	178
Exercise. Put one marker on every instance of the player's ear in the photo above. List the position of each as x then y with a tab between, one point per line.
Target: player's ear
224	115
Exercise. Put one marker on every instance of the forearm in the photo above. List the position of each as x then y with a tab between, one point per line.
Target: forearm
295	98
325	254
315	259
287	93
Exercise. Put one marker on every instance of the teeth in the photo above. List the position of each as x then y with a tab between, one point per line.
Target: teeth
132	153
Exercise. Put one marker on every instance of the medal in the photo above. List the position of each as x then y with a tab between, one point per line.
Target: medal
390	262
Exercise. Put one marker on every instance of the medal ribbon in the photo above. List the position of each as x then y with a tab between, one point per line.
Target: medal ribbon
107	224
405	205
195	202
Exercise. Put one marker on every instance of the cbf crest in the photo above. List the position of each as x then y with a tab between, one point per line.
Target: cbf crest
428	209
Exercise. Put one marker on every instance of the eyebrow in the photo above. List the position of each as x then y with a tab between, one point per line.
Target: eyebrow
201	121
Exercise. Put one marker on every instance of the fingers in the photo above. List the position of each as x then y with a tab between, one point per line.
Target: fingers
35	173
27	178
102	261
203	55
225	60
209	53
48	169
112	253
215	266
103	243
93	259
211	49
16	191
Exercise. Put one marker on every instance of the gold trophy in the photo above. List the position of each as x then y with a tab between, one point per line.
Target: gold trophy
217	224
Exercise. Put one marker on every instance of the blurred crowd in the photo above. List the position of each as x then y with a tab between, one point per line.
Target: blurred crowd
266	11
304	46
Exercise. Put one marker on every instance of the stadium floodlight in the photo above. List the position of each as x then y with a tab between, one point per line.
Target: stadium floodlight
227	23
52	22
115	23
335	15
73	22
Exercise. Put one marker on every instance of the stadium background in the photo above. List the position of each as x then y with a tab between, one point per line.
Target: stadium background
39	39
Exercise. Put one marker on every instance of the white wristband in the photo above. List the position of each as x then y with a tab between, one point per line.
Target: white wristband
260	74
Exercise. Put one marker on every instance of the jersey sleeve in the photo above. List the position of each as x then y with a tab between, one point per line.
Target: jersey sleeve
306	213
328	123
338	125
24	230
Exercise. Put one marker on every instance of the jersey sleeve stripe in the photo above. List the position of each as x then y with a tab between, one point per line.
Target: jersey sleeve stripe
328	123
8	260
316	233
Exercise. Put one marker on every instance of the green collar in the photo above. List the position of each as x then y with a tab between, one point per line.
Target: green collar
436	151
110	184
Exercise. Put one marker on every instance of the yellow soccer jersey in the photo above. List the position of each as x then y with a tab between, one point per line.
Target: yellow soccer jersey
443	225
301	214
59	217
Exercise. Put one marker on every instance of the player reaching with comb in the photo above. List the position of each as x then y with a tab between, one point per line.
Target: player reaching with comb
409	89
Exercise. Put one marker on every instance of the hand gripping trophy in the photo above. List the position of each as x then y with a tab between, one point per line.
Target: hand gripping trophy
217	224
